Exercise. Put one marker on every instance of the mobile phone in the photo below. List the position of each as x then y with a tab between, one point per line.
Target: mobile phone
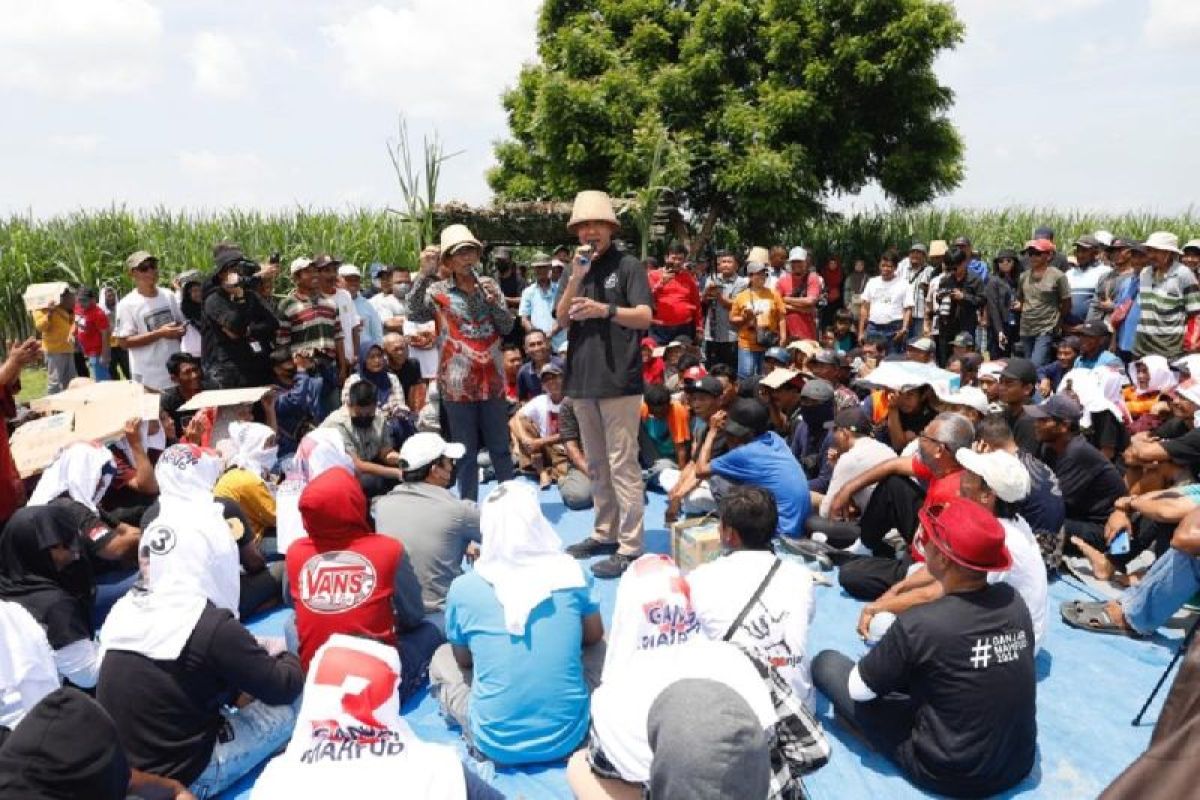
1119	545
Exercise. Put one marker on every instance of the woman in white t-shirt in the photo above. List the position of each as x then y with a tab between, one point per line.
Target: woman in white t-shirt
422	346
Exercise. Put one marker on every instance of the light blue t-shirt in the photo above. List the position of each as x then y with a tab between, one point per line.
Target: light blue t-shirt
372	330
529	701
768	463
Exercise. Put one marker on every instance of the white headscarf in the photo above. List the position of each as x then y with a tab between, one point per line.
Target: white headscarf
248	447
27	670
188	558
320	450
1190	363
1159	373
521	555
156	440
350	696
653	609
1097	389
83	470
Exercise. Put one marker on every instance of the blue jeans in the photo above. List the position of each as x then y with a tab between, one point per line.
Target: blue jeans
749	363
249	736
664	334
98	369
1171	581
111	587
886	332
467	422
416	648
1039	349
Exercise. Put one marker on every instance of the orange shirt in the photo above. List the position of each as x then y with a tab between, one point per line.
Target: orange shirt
768	310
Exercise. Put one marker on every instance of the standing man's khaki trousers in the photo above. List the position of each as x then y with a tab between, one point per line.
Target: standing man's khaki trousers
608	430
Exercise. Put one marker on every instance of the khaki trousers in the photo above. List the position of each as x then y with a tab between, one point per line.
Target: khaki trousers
608	429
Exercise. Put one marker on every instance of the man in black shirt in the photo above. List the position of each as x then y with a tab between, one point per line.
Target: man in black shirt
1017	381
1089	482
957	301
606	305
238	328
511	286
949	693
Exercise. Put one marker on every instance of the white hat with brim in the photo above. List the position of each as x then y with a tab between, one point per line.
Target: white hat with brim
1003	472
968	396
809	347
422	449
299	264
759	255
592	205
1193	244
456	237
349	271
1164	240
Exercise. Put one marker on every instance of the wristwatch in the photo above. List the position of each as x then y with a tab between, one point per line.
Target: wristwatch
612	311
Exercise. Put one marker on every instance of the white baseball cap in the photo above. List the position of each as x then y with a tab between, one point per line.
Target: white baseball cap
299	264
969	396
1003	472
798	254
422	449
349	271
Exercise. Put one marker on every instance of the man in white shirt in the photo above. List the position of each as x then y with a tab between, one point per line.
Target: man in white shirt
535	429
857	451
149	324
751	597
387	305
887	307
348	319
997	481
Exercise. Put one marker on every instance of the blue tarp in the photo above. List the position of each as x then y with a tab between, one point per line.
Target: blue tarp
1090	687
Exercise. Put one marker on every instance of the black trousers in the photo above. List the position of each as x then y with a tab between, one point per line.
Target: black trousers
867	577
721	353
838	534
893	504
886	722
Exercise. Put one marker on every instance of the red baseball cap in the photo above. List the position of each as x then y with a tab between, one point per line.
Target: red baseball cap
1041	245
966	533
650	342
694	373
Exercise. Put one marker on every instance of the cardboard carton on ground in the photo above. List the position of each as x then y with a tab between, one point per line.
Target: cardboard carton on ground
695	542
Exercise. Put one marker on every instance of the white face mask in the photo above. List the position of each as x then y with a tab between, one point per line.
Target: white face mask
1196	419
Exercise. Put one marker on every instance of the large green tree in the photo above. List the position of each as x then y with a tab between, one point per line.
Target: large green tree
768	106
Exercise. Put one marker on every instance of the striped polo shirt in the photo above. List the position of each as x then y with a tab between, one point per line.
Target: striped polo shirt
308	323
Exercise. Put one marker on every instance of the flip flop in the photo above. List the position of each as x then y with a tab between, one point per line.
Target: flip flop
1094	617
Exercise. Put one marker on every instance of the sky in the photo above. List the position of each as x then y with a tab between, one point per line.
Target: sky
276	104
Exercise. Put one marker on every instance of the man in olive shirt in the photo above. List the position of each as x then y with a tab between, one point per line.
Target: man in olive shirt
1044	297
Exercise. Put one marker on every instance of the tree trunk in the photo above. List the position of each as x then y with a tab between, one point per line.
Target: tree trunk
706	230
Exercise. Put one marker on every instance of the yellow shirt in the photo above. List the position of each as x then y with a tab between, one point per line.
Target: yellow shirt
56	326
251	493
768	310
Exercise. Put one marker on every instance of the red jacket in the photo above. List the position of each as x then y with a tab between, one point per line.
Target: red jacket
342	575
677	300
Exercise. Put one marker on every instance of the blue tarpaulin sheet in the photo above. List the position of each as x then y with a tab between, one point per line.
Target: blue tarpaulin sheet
1090	687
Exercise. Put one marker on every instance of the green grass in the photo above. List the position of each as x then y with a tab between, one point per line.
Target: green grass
33	384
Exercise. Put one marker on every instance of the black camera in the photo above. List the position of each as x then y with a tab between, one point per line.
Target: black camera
248	276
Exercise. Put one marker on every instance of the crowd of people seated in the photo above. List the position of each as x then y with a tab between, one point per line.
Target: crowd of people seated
943	433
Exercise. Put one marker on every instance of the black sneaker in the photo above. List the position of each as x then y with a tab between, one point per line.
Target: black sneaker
591	547
612	567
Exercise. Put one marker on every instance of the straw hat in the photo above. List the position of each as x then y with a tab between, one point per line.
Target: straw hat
455	237
759	255
592	206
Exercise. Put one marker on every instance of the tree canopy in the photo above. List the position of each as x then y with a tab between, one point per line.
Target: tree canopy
768	107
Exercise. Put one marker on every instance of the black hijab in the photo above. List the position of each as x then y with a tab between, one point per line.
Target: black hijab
65	749
59	601
192	311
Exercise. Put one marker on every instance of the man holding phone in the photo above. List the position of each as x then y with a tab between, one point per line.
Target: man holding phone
606	303
676	299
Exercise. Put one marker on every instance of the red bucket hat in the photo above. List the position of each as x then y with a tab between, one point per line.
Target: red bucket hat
967	534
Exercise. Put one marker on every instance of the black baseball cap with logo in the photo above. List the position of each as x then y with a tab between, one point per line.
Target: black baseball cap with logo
747	418
853	420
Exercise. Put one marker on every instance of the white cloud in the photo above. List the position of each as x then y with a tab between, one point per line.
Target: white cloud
441	59
218	66
1173	22
1040	10
74	143
79	47
207	166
